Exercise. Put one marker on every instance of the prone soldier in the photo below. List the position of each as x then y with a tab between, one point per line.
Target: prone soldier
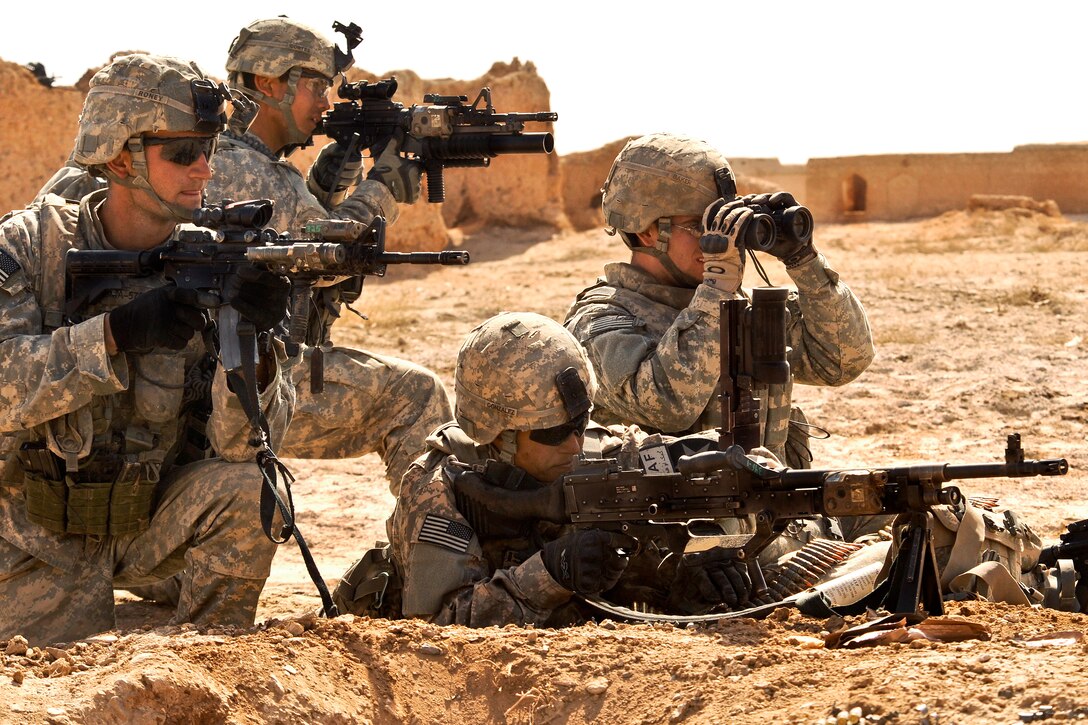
479	536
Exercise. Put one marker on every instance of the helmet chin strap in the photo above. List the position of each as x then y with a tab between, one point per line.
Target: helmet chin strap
296	138
660	252
509	447
139	180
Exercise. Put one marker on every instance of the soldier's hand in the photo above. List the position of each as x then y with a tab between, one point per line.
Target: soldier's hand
400	175
336	170
791	250
724	225
707	579
165	317
259	296
587	562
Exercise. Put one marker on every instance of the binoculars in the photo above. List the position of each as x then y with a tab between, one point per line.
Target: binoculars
769	226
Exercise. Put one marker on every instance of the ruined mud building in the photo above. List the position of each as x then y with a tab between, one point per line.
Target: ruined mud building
38	124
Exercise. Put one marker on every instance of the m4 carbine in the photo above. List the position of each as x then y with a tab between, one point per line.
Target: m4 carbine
443	132
231	235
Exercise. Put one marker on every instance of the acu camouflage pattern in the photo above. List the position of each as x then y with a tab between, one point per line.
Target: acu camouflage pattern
134	95
657	176
477	587
506	375
655	348
499	581
274	46
59	387
370	402
245	168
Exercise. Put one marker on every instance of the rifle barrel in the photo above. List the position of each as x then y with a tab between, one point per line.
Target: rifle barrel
446	258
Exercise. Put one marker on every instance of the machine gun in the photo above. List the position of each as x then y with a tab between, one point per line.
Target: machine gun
679	508
713	485
443	132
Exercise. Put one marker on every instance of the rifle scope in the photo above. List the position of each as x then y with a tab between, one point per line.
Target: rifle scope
253	214
381	90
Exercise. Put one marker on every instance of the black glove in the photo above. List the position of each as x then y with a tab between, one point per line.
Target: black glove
587	562
707	579
259	296
165	317
327	164
793	241
400	175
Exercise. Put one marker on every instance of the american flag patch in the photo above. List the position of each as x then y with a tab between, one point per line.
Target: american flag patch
446	533
8	266
611	323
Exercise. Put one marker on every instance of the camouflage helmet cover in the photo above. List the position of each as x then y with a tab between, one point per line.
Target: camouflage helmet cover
506	376
657	176
140	93
274	46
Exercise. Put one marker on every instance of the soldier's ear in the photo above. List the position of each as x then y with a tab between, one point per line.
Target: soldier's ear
121	165
648	238
271	87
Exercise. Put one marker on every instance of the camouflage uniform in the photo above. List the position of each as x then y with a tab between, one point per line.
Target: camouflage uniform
456	571
655	345
655	348
370	402
62	391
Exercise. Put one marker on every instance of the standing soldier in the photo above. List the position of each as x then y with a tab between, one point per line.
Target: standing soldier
101	483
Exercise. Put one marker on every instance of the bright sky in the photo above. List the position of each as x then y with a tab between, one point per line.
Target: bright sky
791	79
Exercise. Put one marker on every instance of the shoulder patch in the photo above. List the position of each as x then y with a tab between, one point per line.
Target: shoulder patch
611	323
9	271
447	533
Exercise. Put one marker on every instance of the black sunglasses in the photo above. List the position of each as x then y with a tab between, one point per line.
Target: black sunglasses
184	151
557	434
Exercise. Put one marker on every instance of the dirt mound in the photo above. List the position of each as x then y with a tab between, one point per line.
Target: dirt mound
1025	204
357	670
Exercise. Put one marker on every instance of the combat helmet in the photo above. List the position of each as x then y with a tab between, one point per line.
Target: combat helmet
280	46
656	177
138	94
520	371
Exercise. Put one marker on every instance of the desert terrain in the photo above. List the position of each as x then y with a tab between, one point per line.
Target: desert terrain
980	329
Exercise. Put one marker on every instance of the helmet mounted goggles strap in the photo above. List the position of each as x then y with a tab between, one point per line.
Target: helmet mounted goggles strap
573	392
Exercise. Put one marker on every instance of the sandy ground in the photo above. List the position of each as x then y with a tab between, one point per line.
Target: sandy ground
981	331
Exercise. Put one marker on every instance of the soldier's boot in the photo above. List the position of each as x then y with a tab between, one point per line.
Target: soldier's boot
167	591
